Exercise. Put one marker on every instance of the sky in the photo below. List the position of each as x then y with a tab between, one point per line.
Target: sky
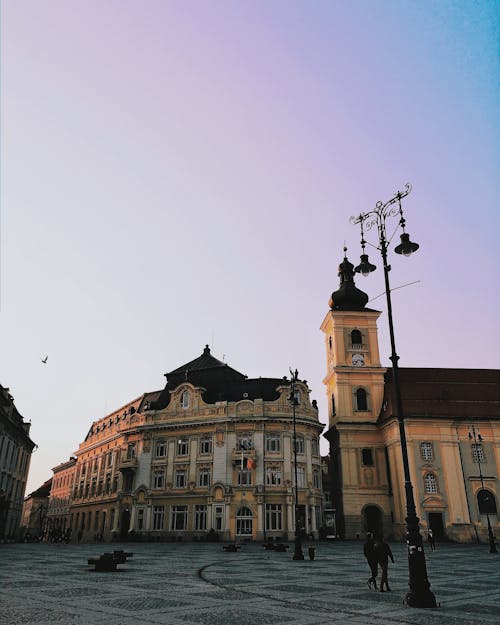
182	173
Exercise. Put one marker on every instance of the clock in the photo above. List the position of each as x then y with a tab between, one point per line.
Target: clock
358	360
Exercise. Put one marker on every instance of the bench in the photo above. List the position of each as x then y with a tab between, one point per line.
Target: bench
281	547
232	547
108	561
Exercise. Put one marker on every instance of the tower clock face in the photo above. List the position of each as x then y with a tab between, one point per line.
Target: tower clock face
358	360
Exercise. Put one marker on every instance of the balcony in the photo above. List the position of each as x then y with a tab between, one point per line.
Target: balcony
127	463
236	455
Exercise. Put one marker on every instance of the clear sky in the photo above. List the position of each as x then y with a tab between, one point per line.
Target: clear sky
181	173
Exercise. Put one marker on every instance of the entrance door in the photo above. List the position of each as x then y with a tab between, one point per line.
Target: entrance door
373	521
124	525
436	524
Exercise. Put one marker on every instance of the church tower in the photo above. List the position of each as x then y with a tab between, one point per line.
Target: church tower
355	388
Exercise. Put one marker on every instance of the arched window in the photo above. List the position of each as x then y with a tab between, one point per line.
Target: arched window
185	399
361	400
486	502
244	520
430	483
356	338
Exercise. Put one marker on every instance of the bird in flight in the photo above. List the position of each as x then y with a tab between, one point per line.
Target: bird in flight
44	360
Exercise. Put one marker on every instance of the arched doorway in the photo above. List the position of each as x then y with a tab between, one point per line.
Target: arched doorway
373	520
125	524
244	522
486	502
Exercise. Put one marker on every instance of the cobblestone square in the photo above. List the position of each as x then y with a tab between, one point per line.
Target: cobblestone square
199	583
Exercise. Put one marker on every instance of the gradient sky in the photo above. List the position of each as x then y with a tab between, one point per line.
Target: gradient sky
181	173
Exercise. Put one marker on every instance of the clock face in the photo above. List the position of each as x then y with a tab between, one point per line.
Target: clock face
358	360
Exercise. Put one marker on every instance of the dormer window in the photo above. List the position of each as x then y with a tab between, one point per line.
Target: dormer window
185	399
356	339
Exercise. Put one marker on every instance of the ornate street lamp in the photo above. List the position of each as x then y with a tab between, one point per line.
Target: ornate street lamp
419	594
478	439
297	554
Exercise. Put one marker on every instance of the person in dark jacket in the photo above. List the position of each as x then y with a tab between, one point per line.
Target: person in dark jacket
383	553
371	558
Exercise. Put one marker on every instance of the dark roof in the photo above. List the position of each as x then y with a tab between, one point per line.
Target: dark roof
219	381
347	296
43	490
459	393
205	361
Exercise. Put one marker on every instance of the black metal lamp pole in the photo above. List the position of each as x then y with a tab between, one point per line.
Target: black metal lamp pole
297	554
473	435
419	594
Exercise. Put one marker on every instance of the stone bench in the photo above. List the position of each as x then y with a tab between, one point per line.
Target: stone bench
233	548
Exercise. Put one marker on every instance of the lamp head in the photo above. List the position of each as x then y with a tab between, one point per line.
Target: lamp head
406	247
365	267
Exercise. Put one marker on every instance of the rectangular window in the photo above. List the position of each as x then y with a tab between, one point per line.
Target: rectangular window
301	477
367	457
316	478
478	452
130	451
180	478
200	517
244	442
204	477
206	445
274	516
158	517
273	476
140	519
244	477
299	444
160	449
426	451
179	518
273	443
315	446
182	447
159	479
219	511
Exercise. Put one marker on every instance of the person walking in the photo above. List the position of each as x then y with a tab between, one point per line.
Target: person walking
383	553
431	540
371	558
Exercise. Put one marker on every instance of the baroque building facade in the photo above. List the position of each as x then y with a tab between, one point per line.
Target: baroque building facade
455	480
212	454
60	497
15	455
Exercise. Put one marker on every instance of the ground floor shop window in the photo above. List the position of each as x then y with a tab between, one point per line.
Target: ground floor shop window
274	516
158	517
200	517
179	518
244	522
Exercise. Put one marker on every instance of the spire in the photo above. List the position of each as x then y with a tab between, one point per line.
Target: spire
347	297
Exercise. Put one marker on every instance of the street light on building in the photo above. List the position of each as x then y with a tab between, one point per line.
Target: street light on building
477	452
419	594
297	554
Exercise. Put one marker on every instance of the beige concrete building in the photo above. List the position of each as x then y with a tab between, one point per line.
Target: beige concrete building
211	452
440	407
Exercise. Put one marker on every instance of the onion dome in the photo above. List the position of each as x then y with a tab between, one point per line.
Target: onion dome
347	297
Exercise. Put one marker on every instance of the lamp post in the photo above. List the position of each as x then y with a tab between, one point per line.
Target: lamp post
297	554
478	439
419	594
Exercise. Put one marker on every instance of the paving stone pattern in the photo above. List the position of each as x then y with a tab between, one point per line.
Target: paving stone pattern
198	583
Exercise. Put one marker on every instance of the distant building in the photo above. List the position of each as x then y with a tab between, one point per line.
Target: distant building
60	496
15	454
210	453
440	407
34	519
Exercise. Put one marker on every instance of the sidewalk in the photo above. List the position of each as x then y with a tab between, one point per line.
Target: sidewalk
199	584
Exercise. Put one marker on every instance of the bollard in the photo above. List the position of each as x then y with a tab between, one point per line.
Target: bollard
312	553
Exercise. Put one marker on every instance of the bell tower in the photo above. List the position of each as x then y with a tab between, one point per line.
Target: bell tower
355	389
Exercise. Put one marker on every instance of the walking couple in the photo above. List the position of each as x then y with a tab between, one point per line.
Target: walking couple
377	553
